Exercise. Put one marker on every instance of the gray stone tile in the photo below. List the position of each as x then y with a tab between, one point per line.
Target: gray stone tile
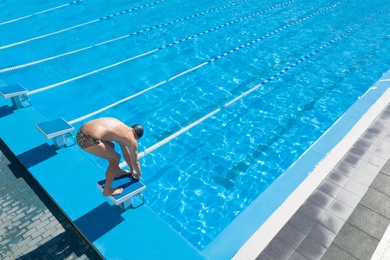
377	201
298	256
356	242
311	249
344	168
302	223
291	236
348	198
340	210
329	188
336	253
382	183
386	168
359	150
277	249
321	199
338	178
311	210
322	235
353	160
371	134
331	222
264	256
369	221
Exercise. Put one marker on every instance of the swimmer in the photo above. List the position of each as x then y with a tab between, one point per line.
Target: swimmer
97	137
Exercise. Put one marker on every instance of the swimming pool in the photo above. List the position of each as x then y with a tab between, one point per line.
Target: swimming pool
231	94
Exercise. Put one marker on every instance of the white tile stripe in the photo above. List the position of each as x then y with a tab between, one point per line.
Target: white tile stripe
257	243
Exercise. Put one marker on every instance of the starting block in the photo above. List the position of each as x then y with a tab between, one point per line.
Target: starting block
131	188
58	130
18	95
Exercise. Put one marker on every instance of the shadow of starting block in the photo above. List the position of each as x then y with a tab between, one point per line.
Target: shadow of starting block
131	188
58	130
18	95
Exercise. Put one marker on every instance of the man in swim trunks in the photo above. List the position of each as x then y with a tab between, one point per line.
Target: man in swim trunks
97	137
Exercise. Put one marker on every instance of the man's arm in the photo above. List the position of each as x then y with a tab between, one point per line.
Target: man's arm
131	157
126	155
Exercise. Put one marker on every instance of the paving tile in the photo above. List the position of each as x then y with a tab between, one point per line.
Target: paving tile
370	168
340	210
356	242
338	178
311	249
311	210
336	253
377	201
264	256
291	236
321	235
371	133
369	221
364	177
384	144
353	160
331	222
321	199
302	223
386	168
297	256
348	198
359	149
344	168
356	187
382	183
329	188
277	249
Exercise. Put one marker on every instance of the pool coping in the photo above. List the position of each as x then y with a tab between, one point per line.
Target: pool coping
358	118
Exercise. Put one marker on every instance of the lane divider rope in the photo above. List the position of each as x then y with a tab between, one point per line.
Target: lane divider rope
203	64
80	25
296	63
40	12
124	37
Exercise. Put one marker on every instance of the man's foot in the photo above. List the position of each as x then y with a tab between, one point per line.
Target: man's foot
120	173
112	192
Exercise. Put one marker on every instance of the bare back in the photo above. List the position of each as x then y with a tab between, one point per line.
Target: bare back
108	129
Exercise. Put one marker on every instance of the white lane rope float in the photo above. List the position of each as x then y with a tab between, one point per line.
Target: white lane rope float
200	65
137	33
302	59
80	25
40	12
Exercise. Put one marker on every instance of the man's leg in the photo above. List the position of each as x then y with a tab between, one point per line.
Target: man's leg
106	150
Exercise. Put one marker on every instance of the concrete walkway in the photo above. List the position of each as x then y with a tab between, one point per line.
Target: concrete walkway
348	214
31	225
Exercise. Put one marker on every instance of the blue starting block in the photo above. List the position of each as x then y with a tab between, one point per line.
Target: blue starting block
131	188
18	95
58	130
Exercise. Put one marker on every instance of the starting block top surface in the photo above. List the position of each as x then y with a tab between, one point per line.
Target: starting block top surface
130	185
13	90
54	128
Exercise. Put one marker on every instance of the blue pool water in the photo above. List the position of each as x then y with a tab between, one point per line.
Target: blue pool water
231	93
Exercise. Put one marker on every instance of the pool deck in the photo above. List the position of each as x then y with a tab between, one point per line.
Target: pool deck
347	191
